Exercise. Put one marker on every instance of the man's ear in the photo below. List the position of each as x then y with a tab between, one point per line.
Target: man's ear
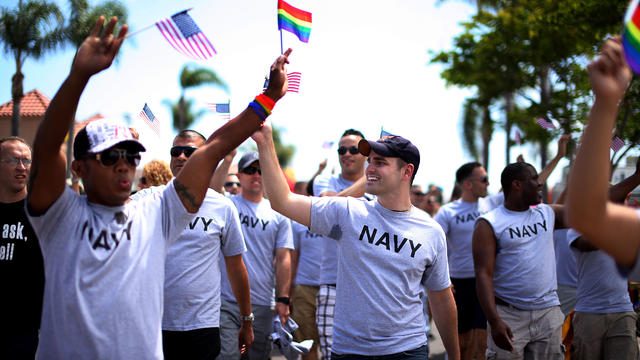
79	167
408	171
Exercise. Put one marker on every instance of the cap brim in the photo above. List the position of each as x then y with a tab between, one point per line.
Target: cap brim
365	147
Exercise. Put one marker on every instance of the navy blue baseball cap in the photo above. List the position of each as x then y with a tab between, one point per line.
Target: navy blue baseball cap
392	146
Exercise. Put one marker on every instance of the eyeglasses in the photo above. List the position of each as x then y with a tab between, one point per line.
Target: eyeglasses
231	183
418	193
352	150
187	150
484	179
14	161
111	157
252	170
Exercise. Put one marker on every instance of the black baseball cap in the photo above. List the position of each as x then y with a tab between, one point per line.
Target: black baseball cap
247	159
392	146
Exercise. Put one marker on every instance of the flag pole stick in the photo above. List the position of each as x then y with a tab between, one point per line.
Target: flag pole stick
281	50
139	31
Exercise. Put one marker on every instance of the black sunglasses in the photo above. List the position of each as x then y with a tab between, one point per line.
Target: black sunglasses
352	150
484	179
251	170
231	183
111	157
187	150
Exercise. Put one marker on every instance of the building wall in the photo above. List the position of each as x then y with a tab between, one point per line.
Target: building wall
28	127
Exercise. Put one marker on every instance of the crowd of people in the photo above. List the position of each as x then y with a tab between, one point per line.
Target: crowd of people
207	256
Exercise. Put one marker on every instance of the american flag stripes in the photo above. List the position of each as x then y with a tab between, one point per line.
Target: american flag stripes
294	81
616	144
545	124
150	119
185	36
222	110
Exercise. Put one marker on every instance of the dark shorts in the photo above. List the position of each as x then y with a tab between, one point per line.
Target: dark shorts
470	314
421	353
192	344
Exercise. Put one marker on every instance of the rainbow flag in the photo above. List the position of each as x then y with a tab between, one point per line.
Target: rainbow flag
294	20
631	36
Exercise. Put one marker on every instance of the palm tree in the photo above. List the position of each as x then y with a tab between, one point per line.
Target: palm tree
28	31
83	17
192	76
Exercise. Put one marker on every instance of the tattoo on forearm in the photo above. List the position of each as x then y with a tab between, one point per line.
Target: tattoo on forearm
185	194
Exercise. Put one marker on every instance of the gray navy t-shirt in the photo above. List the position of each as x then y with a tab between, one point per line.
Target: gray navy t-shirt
104	269
386	260
310	247
264	231
192	268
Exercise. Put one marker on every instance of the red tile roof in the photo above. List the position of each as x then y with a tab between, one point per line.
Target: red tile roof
79	125
33	103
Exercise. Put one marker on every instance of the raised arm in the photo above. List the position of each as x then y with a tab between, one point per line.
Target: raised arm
551	165
47	179
193	180
220	175
484	259
618	192
294	206
610	227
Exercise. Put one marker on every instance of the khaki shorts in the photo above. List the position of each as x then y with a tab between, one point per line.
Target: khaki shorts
304	314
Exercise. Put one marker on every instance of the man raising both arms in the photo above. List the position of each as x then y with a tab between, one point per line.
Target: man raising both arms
104	259
388	251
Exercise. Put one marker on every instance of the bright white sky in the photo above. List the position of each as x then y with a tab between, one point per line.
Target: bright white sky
366	66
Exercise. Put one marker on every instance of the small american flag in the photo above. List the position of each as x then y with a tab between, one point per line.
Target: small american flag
384	133
327	144
616	144
294	81
517	138
185	36
221	109
545	124
150	119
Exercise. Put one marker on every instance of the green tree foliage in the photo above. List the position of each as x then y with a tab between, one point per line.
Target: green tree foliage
83	17
29	30
191	77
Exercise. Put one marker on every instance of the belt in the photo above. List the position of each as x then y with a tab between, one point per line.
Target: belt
504	303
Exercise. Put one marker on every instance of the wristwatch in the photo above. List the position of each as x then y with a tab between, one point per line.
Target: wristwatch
283	299
249	317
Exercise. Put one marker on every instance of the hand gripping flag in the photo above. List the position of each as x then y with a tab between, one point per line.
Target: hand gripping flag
150	119
294	20
185	36
631	36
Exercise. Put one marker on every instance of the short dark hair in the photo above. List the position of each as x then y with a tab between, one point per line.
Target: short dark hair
514	171
352	132
464	171
14	138
189	134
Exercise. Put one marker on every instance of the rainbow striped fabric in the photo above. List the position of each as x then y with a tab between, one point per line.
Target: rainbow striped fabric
631	36
294	20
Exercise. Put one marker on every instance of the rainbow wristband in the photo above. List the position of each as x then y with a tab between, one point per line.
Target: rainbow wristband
259	110
266	103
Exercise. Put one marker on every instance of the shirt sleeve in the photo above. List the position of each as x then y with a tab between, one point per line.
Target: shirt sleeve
231	237
284	238
175	216
436	276
442	217
56	217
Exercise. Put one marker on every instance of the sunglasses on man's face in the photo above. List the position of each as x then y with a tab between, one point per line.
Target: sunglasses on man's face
252	170
187	150
111	157
231	183
352	150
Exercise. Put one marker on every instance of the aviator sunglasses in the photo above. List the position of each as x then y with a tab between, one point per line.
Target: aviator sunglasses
252	170
111	157
187	150
352	150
